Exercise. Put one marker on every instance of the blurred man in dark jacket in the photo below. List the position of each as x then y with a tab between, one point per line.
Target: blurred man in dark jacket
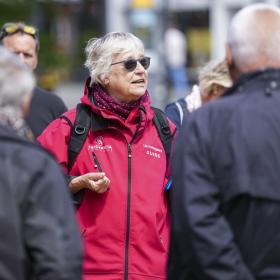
226	197
39	237
23	40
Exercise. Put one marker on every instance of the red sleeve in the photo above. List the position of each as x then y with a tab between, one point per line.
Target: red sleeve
55	139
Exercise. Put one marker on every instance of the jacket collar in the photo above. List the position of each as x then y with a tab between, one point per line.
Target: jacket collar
270	77
98	123
9	134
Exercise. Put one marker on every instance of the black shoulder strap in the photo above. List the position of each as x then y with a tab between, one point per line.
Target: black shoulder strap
161	123
78	136
78	133
82	124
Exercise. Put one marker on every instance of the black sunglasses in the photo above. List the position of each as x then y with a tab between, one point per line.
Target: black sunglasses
130	64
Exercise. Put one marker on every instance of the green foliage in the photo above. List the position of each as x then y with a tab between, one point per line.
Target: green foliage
53	57
84	37
23	10
49	56
15	10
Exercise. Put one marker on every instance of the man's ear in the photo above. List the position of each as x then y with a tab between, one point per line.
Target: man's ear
233	70
35	63
229	58
26	104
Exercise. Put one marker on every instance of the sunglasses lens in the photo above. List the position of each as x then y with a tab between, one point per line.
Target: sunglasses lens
29	30
11	29
130	64
145	62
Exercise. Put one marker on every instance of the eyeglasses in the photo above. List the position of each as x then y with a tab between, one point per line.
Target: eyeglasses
131	64
11	28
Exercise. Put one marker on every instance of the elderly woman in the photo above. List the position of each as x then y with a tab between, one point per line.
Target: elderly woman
122	166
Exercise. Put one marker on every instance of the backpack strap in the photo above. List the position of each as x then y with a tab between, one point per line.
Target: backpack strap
79	133
162	125
78	136
83	122
66	118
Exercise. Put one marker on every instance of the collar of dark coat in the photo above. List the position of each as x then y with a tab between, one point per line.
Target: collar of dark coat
271	76
8	134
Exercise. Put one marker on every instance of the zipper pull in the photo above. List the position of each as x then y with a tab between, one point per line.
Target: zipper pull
97	164
129	150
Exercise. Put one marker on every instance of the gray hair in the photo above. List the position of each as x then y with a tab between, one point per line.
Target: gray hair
254	35
215	72
100	52
16	84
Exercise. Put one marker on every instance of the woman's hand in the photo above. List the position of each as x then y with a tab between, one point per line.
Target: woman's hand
94	181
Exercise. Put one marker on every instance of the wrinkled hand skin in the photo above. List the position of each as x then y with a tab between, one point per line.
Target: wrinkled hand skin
95	181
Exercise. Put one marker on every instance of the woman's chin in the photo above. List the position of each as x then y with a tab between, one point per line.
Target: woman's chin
138	94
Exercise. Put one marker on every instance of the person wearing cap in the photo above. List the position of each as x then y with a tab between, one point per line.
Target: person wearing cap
213	81
23	40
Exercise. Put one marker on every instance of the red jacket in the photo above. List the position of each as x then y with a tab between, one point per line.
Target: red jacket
126	229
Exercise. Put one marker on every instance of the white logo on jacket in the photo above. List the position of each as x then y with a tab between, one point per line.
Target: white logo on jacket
99	145
99	140
152	151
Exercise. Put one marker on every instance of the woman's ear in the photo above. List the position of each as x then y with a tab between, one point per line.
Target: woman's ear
214	92
106	81
217	91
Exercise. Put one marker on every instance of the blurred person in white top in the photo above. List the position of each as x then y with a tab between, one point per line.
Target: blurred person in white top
176	58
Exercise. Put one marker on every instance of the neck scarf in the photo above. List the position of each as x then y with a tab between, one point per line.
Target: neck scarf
103	100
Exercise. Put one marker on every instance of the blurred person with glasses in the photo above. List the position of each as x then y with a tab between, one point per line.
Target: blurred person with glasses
23	40
121	167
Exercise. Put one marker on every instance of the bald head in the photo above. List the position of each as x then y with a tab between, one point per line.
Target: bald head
254	38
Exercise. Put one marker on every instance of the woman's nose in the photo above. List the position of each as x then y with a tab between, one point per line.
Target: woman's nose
139	67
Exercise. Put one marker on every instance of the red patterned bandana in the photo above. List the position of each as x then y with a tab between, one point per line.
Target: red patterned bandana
103	100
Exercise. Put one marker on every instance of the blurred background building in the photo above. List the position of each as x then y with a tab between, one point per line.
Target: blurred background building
66	25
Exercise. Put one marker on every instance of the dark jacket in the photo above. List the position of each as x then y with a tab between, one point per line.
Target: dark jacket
176	111
44	108
226	197
39	235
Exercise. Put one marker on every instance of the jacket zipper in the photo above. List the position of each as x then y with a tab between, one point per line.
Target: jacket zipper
128	214
127	235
